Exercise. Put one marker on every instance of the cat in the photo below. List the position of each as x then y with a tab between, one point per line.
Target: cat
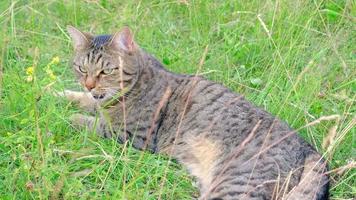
233	148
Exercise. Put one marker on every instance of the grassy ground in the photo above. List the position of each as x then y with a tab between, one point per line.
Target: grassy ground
294	58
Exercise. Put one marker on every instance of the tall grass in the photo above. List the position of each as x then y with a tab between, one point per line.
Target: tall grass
295	59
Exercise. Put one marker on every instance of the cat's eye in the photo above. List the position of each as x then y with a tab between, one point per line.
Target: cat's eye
82	69
107	71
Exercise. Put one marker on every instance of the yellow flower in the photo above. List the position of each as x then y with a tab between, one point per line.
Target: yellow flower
30	70
30	73
55	60
51	74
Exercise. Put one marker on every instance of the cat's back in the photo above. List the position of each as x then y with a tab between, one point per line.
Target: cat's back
231	119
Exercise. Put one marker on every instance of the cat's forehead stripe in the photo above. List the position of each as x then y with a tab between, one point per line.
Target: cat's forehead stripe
101	40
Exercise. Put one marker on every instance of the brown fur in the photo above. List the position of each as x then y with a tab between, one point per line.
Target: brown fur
205	154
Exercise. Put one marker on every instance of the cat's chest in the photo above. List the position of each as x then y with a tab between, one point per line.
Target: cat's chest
138	124
136	117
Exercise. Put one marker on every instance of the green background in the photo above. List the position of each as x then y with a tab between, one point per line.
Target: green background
295	59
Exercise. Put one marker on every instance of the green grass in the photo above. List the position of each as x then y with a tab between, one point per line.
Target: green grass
296	59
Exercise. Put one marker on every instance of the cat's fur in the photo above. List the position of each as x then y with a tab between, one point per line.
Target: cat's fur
234	149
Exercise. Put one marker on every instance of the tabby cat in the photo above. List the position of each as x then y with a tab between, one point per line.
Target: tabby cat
234	149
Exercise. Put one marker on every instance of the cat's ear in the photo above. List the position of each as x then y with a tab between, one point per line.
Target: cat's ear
124	40
81	40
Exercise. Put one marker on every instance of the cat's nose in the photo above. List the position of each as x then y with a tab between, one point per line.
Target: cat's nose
90	83
89	87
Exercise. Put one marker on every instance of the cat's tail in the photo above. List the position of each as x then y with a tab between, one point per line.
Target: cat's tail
314	182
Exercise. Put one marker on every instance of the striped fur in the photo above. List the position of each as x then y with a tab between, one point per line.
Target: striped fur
234	149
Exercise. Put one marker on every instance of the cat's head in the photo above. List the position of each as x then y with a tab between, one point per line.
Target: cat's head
105	65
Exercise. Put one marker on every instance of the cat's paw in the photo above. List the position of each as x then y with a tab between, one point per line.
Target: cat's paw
82	99
70	95
78	120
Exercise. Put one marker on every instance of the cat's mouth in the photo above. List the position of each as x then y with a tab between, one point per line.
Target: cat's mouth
98	96
104	97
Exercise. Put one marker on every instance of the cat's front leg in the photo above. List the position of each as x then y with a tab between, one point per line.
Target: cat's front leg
92	123
82	121
83	99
